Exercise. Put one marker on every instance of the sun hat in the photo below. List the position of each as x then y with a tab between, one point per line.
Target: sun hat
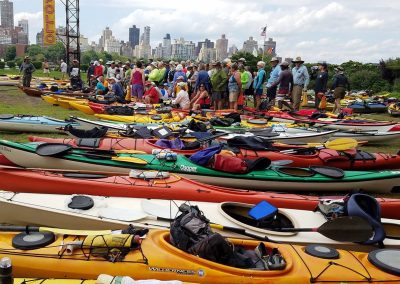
298	60
273	59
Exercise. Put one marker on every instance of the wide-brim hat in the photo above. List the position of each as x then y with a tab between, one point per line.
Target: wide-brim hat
298	60
154	64
148	83
242	59
274	59
27	57
339	69
284	63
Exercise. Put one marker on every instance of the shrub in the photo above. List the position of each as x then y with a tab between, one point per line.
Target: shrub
84	67
11	64
2	65
37	64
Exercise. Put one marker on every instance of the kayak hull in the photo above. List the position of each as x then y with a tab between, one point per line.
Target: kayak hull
38	124
164	262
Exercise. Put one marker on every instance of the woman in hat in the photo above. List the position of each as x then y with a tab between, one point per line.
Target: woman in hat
339	86
27	69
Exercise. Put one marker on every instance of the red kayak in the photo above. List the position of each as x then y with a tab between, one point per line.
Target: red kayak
97	108
347	160
173	187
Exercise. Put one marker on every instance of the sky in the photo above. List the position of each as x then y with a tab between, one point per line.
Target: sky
316	30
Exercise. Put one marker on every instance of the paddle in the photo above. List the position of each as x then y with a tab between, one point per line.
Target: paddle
10	228
55	149
339	144
342	229
59	149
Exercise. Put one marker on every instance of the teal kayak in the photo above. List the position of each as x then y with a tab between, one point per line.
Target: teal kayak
24	154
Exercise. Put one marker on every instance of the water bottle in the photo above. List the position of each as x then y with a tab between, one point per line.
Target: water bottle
6	276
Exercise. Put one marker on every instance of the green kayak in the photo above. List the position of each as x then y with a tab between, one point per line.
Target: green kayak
274	178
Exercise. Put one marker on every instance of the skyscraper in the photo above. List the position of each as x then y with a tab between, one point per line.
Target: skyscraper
222	48
7	14
250	45
206	43
134	35
166	47
270	47
146	35
24	25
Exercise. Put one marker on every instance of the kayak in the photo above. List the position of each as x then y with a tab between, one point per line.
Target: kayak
102	279
137	118
33	92
61	100
85	212
81	106
28	123
159	259
333	123
394	109
279	178
52	281
367	107
372	137
174	187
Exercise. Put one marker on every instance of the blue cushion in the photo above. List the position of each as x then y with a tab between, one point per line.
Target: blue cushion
263	210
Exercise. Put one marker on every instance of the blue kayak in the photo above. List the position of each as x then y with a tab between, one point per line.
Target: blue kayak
367	107
28	123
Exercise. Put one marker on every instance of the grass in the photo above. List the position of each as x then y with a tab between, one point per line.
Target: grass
38	73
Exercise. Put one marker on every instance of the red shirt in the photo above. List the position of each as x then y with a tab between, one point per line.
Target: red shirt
153	94
98	71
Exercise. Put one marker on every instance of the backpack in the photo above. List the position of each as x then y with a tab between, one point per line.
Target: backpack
119	110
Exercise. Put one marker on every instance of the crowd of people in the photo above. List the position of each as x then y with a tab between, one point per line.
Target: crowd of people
196	86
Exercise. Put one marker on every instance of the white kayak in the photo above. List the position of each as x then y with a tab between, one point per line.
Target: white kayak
29	123
115	213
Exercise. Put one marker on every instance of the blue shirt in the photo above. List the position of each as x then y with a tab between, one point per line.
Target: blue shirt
300	76
203	78
117	89
258	80
100	86
274	75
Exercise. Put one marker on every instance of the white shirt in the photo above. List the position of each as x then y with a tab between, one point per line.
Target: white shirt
64	67
182	98
111	72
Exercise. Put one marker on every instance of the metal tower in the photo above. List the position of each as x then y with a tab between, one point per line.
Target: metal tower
72	33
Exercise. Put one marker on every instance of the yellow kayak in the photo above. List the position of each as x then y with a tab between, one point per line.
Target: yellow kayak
143	118
81	106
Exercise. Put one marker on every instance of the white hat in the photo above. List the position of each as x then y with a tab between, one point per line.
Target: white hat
113	78
179	67
181	84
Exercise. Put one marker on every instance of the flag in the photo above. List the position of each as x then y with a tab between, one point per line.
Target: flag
264	31
270	50
255	53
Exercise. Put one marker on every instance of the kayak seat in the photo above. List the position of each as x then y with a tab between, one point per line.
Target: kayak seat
92	133
170	144
250	143
81	202
364	156
262	211
365	206
328	155
88	142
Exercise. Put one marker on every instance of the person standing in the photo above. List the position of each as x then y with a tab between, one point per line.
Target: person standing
258	83
320	83
98	69
63	69
46	68
285	82
27	69
339	86
137	81
112	70
75	76
273	77
202	78
234	87
219	81
90	71
301	78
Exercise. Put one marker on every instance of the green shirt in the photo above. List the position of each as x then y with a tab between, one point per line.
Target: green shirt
219	81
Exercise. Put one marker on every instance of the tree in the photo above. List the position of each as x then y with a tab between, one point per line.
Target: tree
34	50
55	53
11	53
89	55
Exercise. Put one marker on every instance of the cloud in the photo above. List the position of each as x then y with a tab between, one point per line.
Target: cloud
34	21
368	23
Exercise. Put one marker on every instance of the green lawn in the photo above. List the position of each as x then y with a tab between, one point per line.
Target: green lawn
38	73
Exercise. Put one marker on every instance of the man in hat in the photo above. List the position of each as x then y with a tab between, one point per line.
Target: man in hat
273	77
63	69
102	66
258	83
151	95
90	70
219	82
75	76
285	82
117	89
321	83
112	70
301	78
27	69
154	75
339	86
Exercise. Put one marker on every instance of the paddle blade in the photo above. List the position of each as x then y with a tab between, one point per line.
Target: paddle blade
52	149
130	160
347	229
342	144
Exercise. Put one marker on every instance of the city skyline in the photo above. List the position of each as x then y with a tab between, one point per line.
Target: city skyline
316	30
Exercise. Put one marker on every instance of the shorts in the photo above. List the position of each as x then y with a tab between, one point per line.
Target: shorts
259	92
46	71
217	96
205	106
137	91
271	92
233	97
339	93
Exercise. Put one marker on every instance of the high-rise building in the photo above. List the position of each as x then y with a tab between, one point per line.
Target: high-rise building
24	24
39	38
7	14
134	35
222	48
106	35
207	54
146	35
270	47
232	50
167	47
183	50
250	45
207	43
